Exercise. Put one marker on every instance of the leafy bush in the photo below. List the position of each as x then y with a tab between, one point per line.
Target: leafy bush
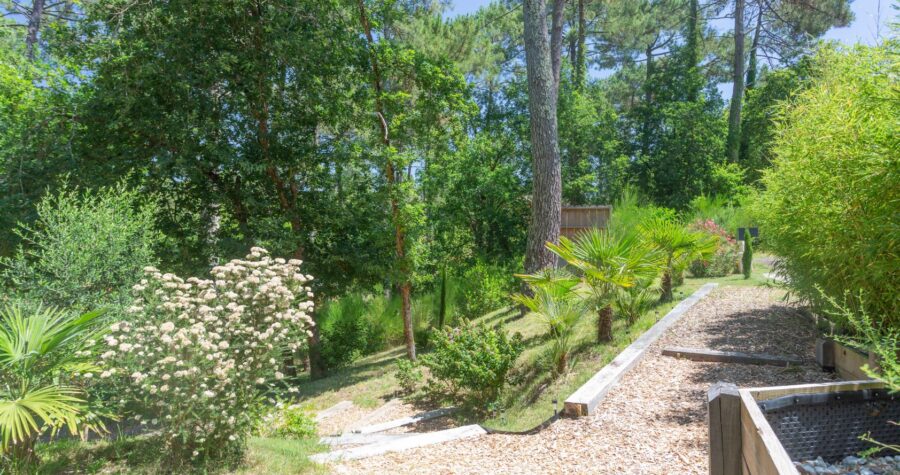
830	205
86	249
197	356
470	363
408	375
288	422
45	363
487	288
347	331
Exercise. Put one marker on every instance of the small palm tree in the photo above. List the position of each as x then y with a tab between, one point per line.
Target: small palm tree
637	300
555	300
679	246
608	263
38	352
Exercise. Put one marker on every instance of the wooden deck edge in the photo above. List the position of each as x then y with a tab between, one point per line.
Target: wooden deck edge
397	445
586	398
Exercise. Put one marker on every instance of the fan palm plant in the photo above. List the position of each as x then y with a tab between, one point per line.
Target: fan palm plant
636	300
679	247
555	300
608	263
39	352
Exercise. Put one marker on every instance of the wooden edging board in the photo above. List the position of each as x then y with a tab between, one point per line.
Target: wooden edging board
761	452
584	400
715	356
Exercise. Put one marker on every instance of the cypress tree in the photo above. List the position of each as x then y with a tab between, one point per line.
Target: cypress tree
747	259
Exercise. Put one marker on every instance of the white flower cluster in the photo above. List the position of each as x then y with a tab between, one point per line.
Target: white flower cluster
198	355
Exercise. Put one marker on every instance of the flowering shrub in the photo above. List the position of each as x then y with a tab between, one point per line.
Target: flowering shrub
198	355
724	260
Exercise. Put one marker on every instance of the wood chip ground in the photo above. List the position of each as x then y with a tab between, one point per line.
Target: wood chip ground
654	422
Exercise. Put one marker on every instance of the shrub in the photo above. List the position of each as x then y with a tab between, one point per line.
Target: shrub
347	335
487	289
86	249
830	205
408	375
197	356
469	364
288	422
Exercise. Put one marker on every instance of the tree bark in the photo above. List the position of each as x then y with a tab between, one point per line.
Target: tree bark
604	324
34	26
666	285
580	67
648	99
556	42
737	94
751	83
390	176
547	190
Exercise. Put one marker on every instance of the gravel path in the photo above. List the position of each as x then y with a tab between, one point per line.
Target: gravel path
654	422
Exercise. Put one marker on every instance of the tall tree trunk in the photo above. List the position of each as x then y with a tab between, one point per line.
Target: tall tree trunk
692	49
744	156
34	26
604	324
579	65
556	42
390	176
547	191
737	95
648	98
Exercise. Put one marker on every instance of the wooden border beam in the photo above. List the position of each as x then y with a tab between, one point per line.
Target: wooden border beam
715	356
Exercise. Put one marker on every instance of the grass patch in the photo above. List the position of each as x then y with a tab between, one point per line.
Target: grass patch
146	456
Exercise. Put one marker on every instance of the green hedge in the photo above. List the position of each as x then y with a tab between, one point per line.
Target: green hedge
831	201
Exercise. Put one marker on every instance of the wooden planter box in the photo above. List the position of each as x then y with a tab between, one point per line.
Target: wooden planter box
846	361
741	439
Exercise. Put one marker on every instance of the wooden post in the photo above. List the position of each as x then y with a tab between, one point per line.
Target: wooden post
724	429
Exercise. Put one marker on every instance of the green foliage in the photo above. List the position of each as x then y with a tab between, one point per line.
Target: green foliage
725	258
633	302
408	375
469	364
289	422
830	205
555	300
678	245
487	288
86	248
46	362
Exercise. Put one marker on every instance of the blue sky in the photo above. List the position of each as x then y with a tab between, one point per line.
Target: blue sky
863	29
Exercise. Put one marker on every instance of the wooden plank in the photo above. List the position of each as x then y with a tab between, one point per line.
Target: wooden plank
760	447
715	356
339	407
404	421
849	361
724	407
772	392
361	439
397	445
586	398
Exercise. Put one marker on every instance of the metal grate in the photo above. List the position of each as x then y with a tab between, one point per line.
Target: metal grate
828	425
